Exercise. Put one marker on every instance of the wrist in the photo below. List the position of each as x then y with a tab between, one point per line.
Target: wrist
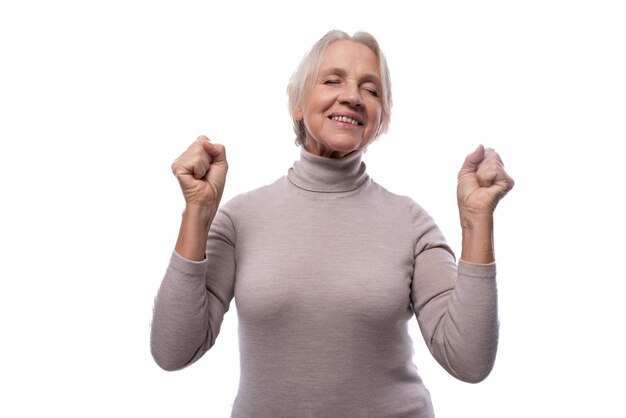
194	230
471	221
477	242
199	215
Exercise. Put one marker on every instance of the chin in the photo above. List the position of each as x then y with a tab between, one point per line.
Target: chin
336	146
346	145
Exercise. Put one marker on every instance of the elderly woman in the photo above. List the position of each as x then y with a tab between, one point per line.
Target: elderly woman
327	267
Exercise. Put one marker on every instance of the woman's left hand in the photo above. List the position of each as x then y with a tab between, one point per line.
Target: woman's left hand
482	182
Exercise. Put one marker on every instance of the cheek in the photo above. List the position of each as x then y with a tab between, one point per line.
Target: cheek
377	116
321	100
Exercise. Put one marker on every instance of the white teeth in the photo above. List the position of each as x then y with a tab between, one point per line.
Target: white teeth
345	119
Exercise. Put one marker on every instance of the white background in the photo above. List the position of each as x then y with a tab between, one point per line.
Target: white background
98	98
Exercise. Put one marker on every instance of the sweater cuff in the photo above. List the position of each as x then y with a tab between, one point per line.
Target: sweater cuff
187	267
477	271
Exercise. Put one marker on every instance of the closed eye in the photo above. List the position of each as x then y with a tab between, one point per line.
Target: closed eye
373	92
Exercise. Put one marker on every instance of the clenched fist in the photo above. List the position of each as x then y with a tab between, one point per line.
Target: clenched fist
201	171
482	182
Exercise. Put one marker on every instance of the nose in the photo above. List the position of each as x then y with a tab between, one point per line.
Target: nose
351	95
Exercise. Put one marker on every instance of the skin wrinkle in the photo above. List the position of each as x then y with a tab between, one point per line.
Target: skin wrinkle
358	65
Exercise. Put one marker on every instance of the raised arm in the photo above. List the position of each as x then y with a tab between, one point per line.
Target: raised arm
198	284
457	307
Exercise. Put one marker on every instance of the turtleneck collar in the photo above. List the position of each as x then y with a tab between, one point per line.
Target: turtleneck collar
328	175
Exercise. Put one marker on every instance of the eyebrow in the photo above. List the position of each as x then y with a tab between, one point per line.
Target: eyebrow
367	77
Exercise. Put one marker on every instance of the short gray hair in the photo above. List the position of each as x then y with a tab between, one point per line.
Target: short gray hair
303	79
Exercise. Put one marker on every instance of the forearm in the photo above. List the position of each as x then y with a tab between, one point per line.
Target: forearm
477	244
457	312
180	318
194	229
466	339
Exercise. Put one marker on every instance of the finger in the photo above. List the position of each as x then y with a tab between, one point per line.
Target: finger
200	167
198	146
194	161
219	165
503	179
490	168
487	174
216	152
201	162
491	172
491	155
185	166
473	160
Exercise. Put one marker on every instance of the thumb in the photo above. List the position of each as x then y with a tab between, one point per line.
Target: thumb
216	152
474	159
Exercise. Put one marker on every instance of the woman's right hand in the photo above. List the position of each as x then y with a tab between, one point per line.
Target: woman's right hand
201	172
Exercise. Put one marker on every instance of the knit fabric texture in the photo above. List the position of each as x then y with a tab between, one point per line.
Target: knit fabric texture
326	268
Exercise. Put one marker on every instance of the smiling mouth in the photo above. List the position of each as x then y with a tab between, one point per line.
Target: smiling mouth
345	119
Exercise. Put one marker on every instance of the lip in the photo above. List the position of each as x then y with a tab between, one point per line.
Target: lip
350	115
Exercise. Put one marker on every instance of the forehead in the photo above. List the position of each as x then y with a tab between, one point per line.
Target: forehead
350	55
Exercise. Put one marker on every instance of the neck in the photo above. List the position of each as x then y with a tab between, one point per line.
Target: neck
328	175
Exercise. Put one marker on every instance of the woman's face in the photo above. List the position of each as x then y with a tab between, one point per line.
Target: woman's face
344	109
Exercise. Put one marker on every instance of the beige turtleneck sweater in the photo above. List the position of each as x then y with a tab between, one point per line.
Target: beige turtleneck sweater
327	268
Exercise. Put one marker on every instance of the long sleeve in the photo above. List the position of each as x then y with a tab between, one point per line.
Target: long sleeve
330	268
192	300
456	307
